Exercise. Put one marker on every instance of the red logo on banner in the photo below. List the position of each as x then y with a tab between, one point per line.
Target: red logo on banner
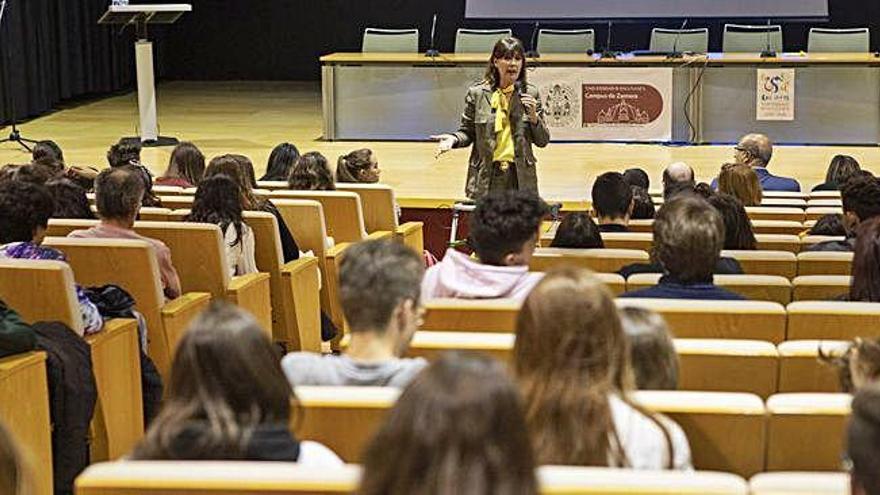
620	104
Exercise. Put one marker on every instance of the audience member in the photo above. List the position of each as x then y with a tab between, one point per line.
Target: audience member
860	196
677	177
247	167
503	233
227	398
643	204
118	196
124	152
865	283
25	209
70	199
651	350
48	153
858	366
458	428
741	182
570	359
379	292
612	202
863	442
688	238
47	150
637	177
358	166
577	231
311	173
16	474
738	233
32	174
185	168
218	201
841	168
281	160
830	225
756	150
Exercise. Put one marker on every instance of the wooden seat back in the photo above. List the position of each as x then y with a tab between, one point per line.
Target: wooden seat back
800	483
41	290
61	227
778	242
819	287
805	432
154	214
824	263
784	202
753	287
642	241
834	320
598	260
342	210
775	213
378	202
800	369
177	202
496	315
781	263
817	212
730	365
785	227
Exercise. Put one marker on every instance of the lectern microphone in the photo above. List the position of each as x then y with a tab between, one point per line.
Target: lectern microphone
432	52
533	53
768	52
675	53
607	52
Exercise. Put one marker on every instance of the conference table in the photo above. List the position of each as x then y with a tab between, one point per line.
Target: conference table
409	96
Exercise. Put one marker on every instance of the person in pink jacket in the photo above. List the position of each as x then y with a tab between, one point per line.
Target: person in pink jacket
503	233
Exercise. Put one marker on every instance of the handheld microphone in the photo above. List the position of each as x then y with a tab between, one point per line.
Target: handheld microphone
533	53
432	52
768	50
675	54
607	53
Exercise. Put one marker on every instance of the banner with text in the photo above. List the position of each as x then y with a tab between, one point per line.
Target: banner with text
606	104
775	94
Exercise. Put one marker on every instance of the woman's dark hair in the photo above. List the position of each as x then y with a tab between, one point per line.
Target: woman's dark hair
643	205
829	225
280	161
150	198
350	167
637	177
652	352
841	168
70	199
863	441
865	284
47	150
125	152
247	166
187	162
230	166
218	201
311	173
738	232
457	428
578	231
24	207
506	48
226	380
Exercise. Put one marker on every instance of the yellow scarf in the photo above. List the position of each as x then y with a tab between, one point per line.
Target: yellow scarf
501	104
500	101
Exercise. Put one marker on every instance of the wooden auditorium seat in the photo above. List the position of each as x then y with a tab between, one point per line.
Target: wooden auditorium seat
132	265
825	194
834	320
199	257
775	213
343	213
819	287
462	315
642	241
778	242
271	185
176	202
154	214
800	483
598	260
805	431
786	194
43	290
824	263
817	212
23	382
808	241
800	369
380	213
431	344
784	227
753	287
728	365
752	320
781	263
777	201
61	227
641	225
160	190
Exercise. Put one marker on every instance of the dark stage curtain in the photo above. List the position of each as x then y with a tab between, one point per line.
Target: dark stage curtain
54	50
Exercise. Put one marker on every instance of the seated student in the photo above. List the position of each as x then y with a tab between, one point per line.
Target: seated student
16	475
865	282
858	366
741	182
863	442
127	153
577	231
612	202
185	168
860	196
33	174
16	336
688	238
458	428
358	166
831	225
379	292
281	160
311	173
503	234
643	205
70	199
637	177
218	201
247	166
570	359
118	195
24	217
227	398
677	177
651	350
756	151
48	153
738	233
841	168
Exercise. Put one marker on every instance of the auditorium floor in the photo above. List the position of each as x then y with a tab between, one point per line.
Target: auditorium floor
251	117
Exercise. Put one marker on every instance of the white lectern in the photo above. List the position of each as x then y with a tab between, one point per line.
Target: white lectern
141	16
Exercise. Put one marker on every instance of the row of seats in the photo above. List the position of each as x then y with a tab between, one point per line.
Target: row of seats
259	478
645	240
783	227
736	38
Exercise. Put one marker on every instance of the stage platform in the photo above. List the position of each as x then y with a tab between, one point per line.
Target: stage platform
251	117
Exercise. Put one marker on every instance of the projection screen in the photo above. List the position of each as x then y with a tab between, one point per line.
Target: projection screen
613	9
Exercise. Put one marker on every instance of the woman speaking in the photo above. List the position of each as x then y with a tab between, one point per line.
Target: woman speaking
502	119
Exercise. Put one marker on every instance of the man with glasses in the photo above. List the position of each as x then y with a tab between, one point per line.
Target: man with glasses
756	150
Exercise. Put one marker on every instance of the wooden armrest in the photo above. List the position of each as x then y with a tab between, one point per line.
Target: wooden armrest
176	317
380	234
113	326
251	292
334	258
411	234
302	304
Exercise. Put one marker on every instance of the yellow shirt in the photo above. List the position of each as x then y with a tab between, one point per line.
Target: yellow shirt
504	150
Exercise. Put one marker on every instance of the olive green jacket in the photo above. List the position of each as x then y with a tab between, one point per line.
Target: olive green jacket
478	129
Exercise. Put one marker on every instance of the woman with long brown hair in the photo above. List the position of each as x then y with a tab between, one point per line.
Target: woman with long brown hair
741	182
457	428
865	283
228	398
572	364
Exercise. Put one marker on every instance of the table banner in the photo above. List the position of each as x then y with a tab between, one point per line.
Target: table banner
775	95
606	104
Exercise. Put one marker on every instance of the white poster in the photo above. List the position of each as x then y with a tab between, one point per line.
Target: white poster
606	104
775	94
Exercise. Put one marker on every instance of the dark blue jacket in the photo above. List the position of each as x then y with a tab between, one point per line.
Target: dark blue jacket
770	182
669	288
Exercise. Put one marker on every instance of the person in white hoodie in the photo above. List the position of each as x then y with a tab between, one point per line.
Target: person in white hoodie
503	234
